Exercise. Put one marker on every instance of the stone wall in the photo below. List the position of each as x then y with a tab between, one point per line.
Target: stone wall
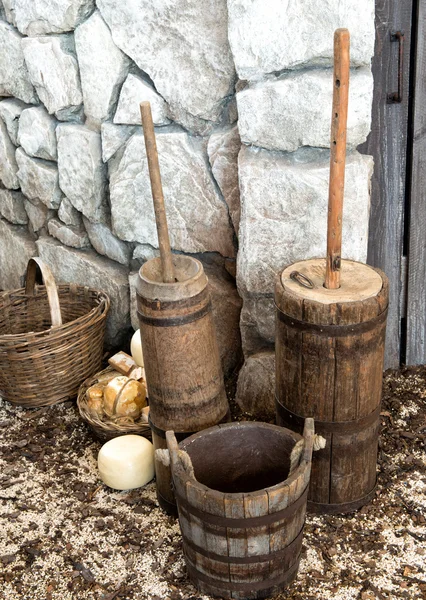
241	96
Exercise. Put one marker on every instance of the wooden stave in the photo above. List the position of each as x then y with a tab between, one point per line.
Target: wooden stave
238	506
320	351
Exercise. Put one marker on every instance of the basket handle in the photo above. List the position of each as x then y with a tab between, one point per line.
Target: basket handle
49	282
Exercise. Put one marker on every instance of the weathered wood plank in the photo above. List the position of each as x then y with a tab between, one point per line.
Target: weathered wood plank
416	290
387	144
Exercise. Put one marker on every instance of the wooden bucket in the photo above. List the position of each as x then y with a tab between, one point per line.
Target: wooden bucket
329	364
182	364
240	512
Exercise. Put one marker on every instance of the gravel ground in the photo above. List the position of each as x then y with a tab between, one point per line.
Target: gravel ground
65	536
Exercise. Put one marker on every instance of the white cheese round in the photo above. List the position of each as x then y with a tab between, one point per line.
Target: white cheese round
136	348
126	462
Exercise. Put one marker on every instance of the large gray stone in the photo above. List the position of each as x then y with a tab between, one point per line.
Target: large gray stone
114	137
12	207
8	166
144	252
36	17
38	215
68	214
82	174
256	386
68	234
14	77
257	322
37	134
197	215
10	111
183	47
295	110
103	68
16	248
226	306
85	267
266	38
223	149
38	179
104	242
284	200
134	91
53	70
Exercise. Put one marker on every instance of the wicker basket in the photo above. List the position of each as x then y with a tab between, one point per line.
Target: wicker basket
51	339
109	428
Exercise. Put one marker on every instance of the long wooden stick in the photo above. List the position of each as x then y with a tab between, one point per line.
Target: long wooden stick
157	193
337	157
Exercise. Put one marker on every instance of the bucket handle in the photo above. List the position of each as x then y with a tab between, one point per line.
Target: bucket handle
310	442
179	459
51	289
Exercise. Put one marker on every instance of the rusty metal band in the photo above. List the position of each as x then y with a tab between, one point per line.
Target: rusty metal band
340	508
173	304
166	505
175	321
339	427
332	330
181	435
249	522
292	549
249	586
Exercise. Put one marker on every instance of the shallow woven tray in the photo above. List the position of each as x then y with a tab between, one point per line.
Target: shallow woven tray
51	339
107	429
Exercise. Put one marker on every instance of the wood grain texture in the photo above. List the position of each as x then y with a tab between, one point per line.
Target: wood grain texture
387	143
329	362
222	558
339	118
416	289
157	193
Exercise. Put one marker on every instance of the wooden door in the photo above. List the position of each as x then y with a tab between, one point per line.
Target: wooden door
387	143
416	205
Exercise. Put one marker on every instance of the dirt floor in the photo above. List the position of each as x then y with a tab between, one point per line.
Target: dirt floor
64	535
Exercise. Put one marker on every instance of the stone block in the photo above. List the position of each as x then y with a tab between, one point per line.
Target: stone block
295	110
39	179
12	207
68	214
256	386
197	215
37	17
103	68
257	322
53	70
69	235
223	149
37	134
134	91
268	38
38	215
104	242
10	111
8	165
284	201
114	137
16	248
14	77
82	174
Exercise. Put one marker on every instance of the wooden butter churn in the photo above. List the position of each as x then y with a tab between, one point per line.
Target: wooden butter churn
330	333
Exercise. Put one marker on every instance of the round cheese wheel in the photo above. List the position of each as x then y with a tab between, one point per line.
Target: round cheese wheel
136	348
126	462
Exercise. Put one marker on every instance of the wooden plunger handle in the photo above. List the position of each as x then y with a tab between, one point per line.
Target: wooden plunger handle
337	157
157	193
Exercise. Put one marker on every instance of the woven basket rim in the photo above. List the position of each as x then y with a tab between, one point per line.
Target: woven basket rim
98	311
95	422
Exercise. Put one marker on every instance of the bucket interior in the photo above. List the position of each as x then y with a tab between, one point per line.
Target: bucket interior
241	458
